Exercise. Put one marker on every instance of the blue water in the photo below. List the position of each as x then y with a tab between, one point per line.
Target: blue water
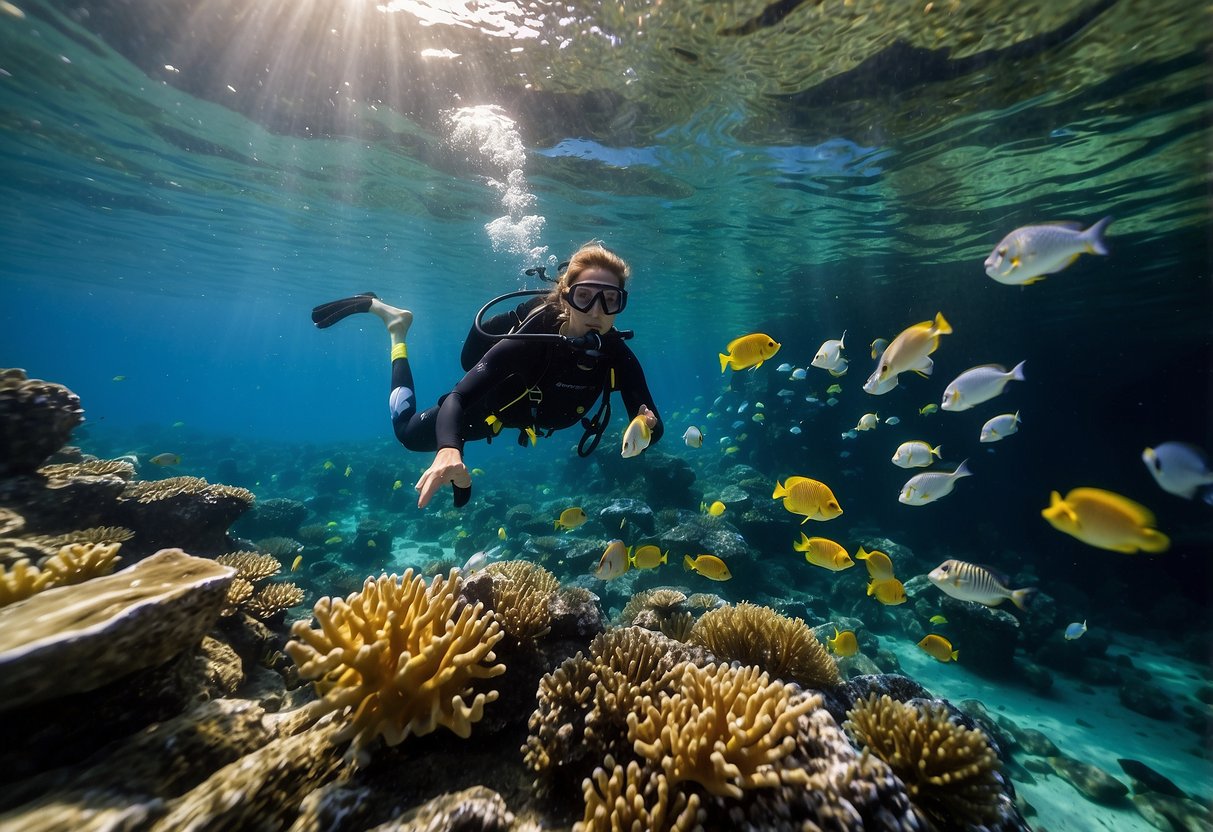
175	198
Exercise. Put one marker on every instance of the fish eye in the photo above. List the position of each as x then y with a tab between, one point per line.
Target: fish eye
1002	251
1157	464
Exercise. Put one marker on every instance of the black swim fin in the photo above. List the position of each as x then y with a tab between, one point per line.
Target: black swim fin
327	314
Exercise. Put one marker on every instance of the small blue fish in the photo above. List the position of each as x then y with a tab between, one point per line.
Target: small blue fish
1076	630
892	420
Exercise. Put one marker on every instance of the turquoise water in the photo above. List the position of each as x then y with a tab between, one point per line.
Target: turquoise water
182	182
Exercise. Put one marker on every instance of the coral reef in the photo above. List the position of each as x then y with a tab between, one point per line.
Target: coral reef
89	468
663	601
74	638
629	800
251	566
36	419
20	581
273	599
182	511
950	772
398	659
72	564
753	635
522	595
727	729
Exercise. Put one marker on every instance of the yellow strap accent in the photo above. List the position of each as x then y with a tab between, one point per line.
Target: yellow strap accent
400	350
493	422
534	437
612	378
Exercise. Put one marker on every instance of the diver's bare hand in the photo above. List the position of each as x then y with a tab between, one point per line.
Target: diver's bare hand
447	467
650	418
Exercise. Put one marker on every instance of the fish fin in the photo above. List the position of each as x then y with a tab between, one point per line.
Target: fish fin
962	470
1017	371
780	491
1015	261
1022	597
724	362
687	563
955	655
1036	279
1094	237
941	324
862	554
936	451
1154	541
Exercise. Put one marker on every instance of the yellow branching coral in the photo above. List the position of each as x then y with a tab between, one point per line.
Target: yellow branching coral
89	468
238	592
80	561
20	581
251	566
522	597
663	601
678	626
151	491
399	658
727	729
629	800
784	647
704	601
273	599
10	522
950	771
97	534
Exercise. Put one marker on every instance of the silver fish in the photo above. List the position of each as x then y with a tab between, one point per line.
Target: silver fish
969	582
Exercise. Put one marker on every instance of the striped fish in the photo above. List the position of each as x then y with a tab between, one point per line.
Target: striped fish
970	582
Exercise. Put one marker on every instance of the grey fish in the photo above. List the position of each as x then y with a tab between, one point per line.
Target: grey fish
970	582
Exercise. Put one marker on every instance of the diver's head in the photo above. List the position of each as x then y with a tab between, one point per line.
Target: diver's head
591	291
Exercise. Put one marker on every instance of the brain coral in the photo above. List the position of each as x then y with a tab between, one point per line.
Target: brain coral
727	729
950	772
399	658
784	647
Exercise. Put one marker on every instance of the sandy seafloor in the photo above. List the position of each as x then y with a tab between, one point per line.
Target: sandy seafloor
1167	746
1164	745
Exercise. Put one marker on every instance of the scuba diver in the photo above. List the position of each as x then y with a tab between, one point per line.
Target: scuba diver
538	368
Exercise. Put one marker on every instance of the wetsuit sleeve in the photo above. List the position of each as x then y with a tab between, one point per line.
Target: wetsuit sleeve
477	389
634	388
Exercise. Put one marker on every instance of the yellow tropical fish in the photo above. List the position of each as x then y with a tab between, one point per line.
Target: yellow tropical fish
938	619
844	643
636	437
477	472
349	469
938	647
732	449
823	552
295	564
371	544
878	347
928	409
889	591
501	533
649	557
909	349
397	485
1106	520
328	465
166	459
811	498
119	378
880	566
834	388
749	351
570	519
333	541
709	566
715	509
332	524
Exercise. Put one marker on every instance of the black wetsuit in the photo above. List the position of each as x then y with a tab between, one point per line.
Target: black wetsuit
542	385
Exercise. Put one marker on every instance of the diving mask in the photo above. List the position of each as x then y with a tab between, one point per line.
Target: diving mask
582	297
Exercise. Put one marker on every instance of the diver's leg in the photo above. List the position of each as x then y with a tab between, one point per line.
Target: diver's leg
327	314
410	428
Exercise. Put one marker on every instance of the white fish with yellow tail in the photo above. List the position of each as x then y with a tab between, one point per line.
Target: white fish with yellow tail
615	561
868	421
910	349
829	356
966	581
748	352
693	437
636	437
1180	469
1000	427
915	454
1029	253
929	487
979	384
1106	520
